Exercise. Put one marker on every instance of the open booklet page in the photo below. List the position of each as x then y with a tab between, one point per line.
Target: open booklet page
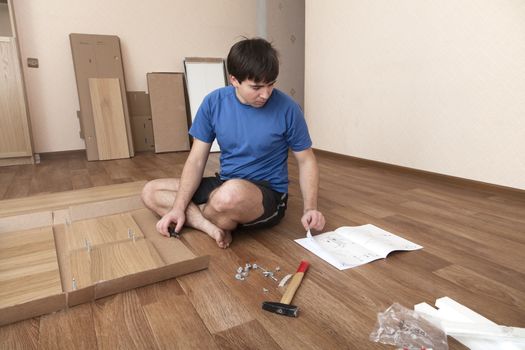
347	246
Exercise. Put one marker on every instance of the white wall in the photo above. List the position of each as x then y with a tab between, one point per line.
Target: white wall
155	35
432	85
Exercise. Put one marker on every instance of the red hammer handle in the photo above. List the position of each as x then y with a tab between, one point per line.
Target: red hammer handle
294	283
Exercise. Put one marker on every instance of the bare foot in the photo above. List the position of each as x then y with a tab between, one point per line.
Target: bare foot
226	240
222	237
195	219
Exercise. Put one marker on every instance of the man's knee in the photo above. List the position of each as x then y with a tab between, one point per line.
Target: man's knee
232	195
222	201
228	196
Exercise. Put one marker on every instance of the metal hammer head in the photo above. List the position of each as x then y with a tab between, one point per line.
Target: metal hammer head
280	308
284	307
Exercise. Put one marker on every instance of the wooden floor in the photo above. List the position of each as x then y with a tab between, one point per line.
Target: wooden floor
474	252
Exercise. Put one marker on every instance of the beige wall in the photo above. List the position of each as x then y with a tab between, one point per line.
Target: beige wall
431	85
155	36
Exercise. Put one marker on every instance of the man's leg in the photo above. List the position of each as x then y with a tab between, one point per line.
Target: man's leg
159	196
234	202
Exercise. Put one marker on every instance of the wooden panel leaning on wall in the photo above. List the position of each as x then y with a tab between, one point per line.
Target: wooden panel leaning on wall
15	141
108	115
97	56
168	112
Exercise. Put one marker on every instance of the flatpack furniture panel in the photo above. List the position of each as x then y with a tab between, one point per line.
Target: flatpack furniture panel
101	230
139	103
141	122
112	260
73	199
15	129
142	128
84	254
108	116
28	266
168	111
97	56
14	133
203	75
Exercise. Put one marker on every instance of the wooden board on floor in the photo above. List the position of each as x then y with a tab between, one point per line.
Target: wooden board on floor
111	261
61	200
28	266
74	261
101	231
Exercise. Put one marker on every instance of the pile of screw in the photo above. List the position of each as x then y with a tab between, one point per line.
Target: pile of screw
242	272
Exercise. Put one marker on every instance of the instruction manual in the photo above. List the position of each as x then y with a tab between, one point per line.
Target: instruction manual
348	246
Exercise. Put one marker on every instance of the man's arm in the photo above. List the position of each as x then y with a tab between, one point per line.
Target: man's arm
189	182
309	182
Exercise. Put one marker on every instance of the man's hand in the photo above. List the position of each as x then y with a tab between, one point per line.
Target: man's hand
174	216
313	219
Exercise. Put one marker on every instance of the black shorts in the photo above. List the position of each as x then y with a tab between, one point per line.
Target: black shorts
274	203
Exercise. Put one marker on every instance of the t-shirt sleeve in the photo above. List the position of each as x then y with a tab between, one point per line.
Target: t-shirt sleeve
298	137
202	126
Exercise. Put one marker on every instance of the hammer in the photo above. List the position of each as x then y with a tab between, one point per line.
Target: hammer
284	307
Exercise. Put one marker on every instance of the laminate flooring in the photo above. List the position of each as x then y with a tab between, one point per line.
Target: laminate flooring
474	252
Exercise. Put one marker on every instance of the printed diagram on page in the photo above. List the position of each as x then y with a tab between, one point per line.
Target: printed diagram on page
347	252
348	246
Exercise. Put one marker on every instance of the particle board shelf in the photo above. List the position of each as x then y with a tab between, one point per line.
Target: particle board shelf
28	266
46	265
111	261
66	199
101	230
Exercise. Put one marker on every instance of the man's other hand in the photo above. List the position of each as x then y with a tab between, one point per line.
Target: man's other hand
313	219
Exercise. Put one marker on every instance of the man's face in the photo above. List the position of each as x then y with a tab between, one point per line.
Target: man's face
252	93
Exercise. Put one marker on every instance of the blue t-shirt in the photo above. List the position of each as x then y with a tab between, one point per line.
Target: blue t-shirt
254	141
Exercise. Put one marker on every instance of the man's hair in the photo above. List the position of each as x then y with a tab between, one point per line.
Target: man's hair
253	59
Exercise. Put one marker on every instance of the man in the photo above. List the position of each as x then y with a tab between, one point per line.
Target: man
255	126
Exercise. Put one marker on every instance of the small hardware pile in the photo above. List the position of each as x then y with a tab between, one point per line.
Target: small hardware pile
243	272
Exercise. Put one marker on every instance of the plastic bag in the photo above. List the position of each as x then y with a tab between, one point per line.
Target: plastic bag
407	329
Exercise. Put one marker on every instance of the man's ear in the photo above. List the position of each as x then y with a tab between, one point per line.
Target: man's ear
234	81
